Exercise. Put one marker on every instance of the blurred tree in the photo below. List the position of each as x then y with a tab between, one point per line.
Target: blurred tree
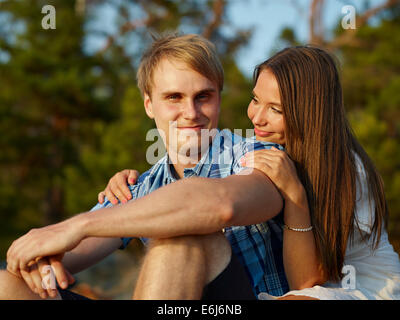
71	116
51	95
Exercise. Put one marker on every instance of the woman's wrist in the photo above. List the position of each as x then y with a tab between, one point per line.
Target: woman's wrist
297	195
297	214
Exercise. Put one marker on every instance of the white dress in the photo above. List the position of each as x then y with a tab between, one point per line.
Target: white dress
368	273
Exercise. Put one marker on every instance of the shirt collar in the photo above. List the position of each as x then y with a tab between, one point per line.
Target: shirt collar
165	165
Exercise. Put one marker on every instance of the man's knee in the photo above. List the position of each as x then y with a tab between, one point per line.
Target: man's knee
8	284
7	279
177	249
211	250
15	288
210	245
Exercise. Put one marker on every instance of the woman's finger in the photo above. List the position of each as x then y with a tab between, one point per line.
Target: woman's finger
101	196
110	195
122	185
133	176
254	162
115	191
275	159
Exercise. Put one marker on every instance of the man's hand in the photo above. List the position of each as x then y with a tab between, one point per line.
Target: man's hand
44	242
42	275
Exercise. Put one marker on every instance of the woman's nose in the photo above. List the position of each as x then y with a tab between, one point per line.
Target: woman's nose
260	117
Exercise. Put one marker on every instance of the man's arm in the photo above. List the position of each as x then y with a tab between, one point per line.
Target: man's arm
189	206
88	252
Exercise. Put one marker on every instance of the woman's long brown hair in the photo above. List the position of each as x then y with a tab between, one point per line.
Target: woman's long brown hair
321	143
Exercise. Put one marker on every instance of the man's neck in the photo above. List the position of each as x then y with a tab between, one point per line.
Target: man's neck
178	169
180	164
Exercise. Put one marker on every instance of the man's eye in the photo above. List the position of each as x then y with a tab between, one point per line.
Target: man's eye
202	97
173	97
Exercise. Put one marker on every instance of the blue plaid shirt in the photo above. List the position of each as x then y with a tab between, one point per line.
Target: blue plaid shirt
258	247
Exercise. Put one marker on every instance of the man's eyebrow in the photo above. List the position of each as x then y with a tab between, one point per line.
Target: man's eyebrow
207	90
202	91
168	93
270	102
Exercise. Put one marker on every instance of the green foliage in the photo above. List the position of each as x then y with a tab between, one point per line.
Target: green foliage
372	95
70	118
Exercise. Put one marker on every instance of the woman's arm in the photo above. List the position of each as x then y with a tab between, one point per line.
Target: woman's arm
300	258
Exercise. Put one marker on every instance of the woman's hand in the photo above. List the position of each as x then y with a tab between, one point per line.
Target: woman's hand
117	187
277	165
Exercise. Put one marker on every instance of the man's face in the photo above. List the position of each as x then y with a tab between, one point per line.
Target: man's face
183	97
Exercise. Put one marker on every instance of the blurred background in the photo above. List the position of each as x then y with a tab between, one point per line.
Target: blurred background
71	115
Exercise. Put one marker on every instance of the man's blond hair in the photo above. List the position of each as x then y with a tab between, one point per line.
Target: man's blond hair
194	50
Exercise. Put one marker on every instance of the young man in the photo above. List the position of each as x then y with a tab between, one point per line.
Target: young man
180	78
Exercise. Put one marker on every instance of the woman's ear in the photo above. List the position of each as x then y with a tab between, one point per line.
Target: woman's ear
148	106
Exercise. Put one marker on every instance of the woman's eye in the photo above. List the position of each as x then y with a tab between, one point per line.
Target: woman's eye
276	110
254	99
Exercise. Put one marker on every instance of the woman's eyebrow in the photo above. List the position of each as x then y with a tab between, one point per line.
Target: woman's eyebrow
270	102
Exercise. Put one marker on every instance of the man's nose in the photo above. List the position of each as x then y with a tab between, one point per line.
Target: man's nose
190	110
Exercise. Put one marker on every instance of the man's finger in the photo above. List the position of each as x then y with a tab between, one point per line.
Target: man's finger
70	277
37	281
47	276
60	272
29	282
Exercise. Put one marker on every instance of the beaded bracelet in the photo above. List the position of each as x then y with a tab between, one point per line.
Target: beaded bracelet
298	229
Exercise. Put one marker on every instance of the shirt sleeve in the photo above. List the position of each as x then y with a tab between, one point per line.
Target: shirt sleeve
248	146
135	194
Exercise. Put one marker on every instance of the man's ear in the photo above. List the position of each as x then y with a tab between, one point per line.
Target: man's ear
148	106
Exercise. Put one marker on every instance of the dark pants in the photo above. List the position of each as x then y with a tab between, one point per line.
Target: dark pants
231	284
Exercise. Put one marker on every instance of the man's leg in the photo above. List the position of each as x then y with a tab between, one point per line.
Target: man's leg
179	268
14	288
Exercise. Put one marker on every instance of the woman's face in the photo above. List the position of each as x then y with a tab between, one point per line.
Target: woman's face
265	110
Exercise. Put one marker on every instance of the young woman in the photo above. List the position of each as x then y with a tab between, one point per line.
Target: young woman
345	193
335	207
